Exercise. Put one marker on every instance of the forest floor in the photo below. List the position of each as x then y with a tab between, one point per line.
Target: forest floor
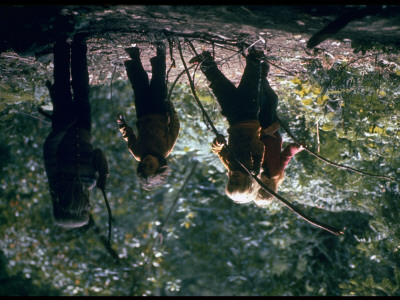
282	31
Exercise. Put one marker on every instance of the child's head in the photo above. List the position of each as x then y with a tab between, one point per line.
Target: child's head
263	197
239	187
71	207
152	171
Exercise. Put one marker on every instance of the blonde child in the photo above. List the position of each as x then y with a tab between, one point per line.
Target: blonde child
240	106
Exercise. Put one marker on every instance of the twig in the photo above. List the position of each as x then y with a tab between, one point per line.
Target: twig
194	92
170	46
39	110
242	52
174	83
103	240
109	216
111	90
287	71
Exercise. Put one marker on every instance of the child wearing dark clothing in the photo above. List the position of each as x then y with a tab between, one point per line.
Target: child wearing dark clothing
240	106
157	120
72	166
275	160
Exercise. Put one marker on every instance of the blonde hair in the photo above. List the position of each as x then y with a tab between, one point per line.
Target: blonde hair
244	193
263	198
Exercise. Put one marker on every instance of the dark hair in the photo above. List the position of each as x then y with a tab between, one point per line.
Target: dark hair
71	207
151	182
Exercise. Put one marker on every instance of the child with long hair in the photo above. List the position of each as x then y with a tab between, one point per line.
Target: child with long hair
157	120
240	107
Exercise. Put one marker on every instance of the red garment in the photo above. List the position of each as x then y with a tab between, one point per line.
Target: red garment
275	160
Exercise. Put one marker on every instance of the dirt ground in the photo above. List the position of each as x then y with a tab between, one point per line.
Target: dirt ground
282	31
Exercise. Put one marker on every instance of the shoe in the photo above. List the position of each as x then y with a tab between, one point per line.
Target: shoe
257	52
133	52
200	57
160	48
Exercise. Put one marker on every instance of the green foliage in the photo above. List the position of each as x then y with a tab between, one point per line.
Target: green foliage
209	245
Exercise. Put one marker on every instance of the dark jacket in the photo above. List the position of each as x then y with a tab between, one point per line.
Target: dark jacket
157	133
69	154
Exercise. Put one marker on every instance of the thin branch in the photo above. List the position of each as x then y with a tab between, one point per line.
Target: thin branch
276	66
109	216
149	256
328	161
174	83
103	240
194	92
111	90
173	65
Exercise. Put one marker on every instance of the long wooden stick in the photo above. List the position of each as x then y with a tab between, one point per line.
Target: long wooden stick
109	216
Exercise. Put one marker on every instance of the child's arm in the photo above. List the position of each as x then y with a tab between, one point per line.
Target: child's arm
290	151
127	133
101	166
257	153
270	130
218	148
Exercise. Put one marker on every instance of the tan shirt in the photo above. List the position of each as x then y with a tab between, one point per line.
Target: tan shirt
244	141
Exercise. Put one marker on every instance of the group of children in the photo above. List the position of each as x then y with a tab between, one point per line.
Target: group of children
73	167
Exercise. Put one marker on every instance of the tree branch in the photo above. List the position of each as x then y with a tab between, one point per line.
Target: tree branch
328	161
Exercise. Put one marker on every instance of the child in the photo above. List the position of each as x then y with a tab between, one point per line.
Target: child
157	120
240	107
73	168
275	161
